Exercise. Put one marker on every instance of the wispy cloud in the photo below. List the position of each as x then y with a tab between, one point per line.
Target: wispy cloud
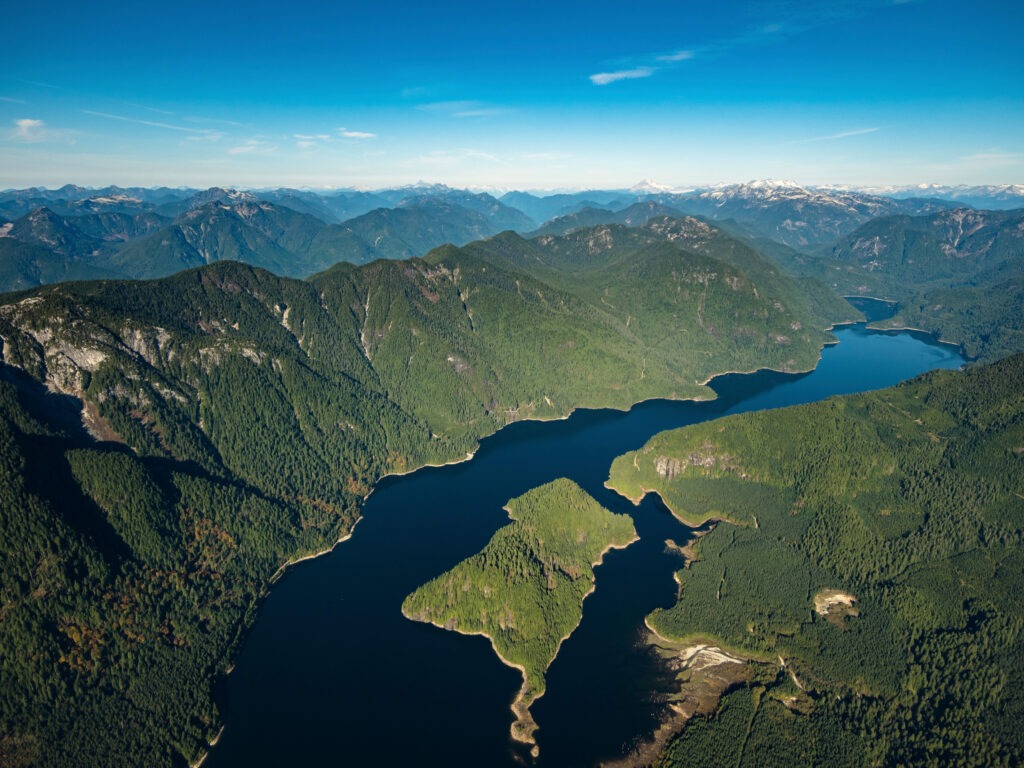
792	18
216	120
38	84
28	129
150	123
206	136
834	136
9	100
310	141
603	78
464	109
307	141
670	58
446	106
253	147
345	133
148	108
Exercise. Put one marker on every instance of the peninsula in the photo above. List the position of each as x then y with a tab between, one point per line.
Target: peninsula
866	564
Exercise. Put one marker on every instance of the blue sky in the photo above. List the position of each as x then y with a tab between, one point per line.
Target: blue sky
511	96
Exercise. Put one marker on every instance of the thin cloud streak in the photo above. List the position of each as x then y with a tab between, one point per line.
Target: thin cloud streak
150	123
254	147
39	84
486	112
834	136
604	78
217	120
677	56
463	109
207	136
799	19
148	108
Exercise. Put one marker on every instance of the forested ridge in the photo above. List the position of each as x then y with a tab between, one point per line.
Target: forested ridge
873	544
170	444
957	274
292	233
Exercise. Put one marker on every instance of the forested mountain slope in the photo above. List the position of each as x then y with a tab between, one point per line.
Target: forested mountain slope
868	562
958	274
44	247
171	443
635	215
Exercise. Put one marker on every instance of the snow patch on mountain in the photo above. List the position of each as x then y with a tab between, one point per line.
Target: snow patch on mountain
648	187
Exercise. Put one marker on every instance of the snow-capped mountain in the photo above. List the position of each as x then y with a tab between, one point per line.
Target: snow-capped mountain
803	217
220	195
986	196
648	187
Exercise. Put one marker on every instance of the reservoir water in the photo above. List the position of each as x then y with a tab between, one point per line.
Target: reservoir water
332	674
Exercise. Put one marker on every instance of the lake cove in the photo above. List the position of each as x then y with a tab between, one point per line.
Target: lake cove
333	673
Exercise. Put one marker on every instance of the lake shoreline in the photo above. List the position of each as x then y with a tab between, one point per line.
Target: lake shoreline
787	377
231	658
705	671
930	335
313	555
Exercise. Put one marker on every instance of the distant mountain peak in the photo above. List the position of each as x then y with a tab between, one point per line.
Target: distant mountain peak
648	187
423	187
761	191
772	184
220	195
760	187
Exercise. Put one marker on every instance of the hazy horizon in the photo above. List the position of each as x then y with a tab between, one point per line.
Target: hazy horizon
538	191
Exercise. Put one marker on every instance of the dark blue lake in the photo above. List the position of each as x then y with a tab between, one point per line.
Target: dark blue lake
332	674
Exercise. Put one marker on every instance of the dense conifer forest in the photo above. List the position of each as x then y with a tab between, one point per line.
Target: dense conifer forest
867	560
525	589
171	444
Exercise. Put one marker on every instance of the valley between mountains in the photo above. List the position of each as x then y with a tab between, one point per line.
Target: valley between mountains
169	443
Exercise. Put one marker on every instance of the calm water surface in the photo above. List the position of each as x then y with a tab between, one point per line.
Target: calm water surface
332	674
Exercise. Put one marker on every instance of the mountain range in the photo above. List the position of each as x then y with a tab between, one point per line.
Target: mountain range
936	260
958	274
77	233
141	239
167	444
993	197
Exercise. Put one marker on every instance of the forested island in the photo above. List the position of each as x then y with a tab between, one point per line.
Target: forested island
865	565
525	589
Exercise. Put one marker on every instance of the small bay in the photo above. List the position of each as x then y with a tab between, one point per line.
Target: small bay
332	673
